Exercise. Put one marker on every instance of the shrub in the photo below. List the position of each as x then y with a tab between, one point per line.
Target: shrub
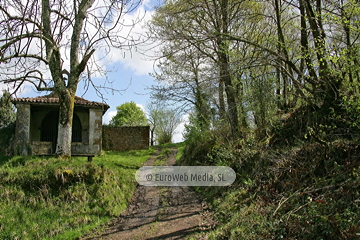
6	135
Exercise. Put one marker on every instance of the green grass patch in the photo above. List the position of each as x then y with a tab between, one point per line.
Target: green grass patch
180	153
162	157
171	145
166	151
48	198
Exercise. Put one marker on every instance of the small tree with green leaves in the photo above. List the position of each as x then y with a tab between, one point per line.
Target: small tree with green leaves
7	111
7	120
128	114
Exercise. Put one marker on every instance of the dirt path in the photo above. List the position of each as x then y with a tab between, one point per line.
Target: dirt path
160	212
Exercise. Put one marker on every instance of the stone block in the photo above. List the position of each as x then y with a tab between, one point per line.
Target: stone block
41	148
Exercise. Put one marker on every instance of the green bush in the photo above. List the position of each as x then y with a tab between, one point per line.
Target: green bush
6	134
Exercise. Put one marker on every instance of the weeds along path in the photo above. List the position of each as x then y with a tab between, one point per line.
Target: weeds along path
160	212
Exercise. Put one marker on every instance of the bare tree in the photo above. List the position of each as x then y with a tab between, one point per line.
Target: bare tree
50	44
163	122
186	78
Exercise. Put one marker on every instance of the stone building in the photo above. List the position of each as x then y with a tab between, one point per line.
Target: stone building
37	125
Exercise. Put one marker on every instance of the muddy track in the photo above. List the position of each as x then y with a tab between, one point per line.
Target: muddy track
160	212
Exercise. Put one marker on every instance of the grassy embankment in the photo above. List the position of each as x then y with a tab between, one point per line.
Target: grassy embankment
280	195
305	189
48	198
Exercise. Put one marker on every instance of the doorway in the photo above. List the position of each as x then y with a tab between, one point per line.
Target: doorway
49	129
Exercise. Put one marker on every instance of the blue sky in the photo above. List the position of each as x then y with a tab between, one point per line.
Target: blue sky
127	70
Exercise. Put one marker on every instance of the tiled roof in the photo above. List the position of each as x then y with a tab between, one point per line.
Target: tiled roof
53	98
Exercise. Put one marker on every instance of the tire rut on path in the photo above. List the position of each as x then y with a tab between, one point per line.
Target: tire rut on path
160	212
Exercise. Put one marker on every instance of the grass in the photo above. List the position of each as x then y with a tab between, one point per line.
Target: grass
162	157
48	198
166	151
170	145
180	153
281	195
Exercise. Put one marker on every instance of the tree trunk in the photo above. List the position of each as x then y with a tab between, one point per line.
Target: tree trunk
352	59
201	106
329	84
230	94
278	90
305	43
240	96
225	74
283	51
66	112
152	136
221	101
66	92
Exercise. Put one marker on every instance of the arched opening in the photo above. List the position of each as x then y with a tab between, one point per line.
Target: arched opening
49	129
76	129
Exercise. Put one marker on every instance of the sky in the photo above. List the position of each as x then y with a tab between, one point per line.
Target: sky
128	72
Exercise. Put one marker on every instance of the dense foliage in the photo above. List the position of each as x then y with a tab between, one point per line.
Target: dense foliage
128	114
249	63
7	110
273	91
7	122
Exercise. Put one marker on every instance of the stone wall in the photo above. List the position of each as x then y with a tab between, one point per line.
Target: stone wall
45	148
125	138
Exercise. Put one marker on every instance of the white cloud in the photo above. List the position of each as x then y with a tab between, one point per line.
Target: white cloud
131	29
142	108
134	58
108	116
3	87
23	90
